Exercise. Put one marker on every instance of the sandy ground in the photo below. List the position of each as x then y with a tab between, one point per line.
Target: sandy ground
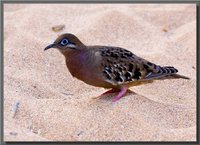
54	106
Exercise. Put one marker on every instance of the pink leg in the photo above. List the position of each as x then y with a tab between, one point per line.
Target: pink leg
110	91
121	94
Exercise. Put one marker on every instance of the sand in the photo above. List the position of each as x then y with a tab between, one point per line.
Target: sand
54	106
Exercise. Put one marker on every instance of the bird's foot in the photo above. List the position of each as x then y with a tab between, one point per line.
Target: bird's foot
120	95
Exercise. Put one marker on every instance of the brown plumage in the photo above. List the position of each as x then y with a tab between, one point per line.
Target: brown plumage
109	67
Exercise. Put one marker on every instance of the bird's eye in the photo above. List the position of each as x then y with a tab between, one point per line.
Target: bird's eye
64	42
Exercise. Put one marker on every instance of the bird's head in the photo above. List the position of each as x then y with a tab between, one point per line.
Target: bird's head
66	42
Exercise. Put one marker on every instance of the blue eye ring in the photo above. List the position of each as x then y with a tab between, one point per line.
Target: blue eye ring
64	42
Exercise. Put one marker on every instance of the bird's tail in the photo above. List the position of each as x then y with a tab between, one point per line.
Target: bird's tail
173	73
177	76
166	72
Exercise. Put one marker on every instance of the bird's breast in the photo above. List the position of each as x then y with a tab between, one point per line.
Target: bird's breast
79	64
86	67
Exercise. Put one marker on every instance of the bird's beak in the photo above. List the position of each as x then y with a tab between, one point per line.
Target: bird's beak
50	46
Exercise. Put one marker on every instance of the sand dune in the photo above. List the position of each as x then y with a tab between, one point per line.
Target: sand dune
54	106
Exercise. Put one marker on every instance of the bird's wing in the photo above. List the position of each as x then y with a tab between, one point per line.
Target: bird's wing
120	66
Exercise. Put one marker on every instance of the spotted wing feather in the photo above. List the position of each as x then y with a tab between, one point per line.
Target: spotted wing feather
120	66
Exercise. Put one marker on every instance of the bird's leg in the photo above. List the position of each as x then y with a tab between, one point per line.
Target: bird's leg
108	92
121	94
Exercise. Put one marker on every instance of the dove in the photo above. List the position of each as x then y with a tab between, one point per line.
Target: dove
109	67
